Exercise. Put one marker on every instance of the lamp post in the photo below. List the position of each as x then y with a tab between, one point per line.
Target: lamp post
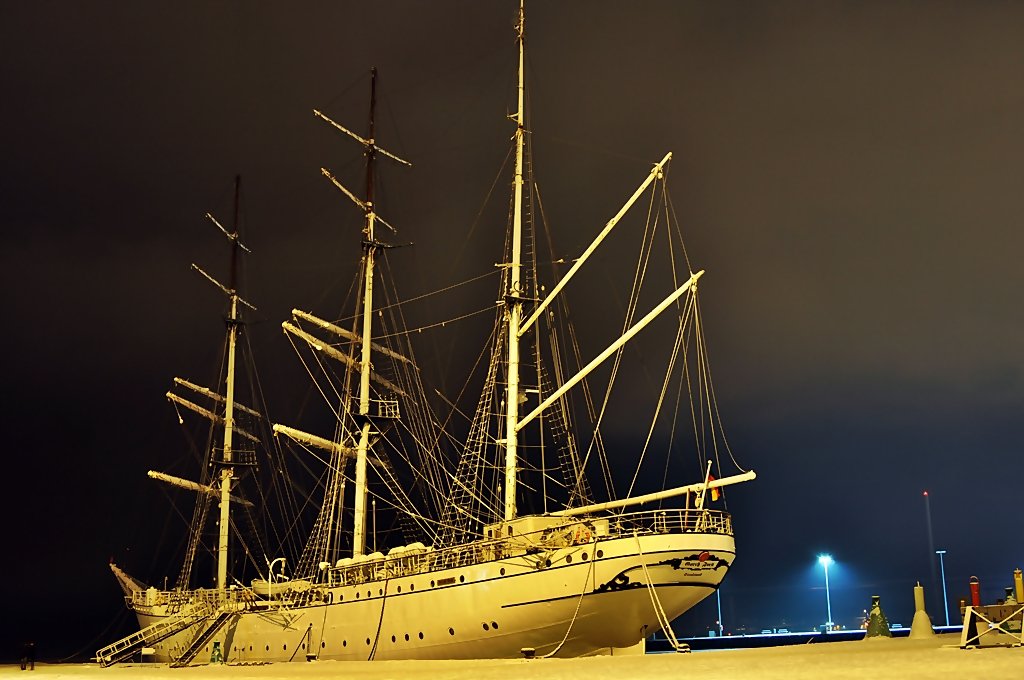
825	561
942	568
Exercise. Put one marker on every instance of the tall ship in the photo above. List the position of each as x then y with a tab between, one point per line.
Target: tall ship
426	544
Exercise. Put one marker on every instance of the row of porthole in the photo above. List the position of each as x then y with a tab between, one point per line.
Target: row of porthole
568	558
344	643
394	638
462	578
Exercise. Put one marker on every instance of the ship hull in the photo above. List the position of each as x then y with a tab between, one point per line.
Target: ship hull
576	600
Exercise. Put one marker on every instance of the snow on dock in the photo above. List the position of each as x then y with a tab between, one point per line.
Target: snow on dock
901	659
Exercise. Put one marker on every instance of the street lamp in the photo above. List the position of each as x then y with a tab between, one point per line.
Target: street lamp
825	561
942	568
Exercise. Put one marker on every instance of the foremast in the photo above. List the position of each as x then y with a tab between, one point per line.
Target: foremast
513	298
227	470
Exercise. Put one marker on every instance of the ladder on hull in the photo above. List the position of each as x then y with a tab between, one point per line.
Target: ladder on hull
125	647
193	649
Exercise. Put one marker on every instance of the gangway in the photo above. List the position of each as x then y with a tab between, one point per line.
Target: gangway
125	647
193	649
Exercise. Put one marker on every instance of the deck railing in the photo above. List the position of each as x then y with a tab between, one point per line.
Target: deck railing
576	531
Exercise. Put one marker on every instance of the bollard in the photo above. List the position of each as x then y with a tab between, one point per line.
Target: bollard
975	592
921	627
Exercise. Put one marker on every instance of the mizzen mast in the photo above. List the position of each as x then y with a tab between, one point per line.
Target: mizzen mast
513	299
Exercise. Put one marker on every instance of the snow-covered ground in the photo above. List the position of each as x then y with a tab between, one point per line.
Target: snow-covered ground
896	659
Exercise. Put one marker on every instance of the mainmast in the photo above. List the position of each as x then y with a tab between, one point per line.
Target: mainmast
369	251
513	301
370	247
226	468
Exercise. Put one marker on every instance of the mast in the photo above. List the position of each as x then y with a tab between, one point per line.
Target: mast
513	301
369	251
226	468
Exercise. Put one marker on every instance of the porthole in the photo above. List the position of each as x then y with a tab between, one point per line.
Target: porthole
344	643
584	557
406	637
367	642
234	649
600	554
547	563
323	644
502	572
284	647
494	625
380	592
568	559
421	636
462	579
399	588
250	648
268	648
431	584
341	598
486	627
303	645
393	639
412	587
369	593
357	595
451	631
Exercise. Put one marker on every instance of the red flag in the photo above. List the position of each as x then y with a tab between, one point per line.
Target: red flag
715	493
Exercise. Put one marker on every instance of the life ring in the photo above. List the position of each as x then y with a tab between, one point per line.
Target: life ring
582	535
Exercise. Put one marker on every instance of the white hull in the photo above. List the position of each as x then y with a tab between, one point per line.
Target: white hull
602	600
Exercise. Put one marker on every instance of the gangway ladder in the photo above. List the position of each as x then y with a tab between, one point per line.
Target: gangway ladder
125	647
200	641
659	610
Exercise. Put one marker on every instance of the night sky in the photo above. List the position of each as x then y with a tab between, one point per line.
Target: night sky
850	175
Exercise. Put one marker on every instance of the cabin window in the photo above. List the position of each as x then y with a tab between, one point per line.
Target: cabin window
451	631
568	559
486	627
502	571
421	635
600	554
584	557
